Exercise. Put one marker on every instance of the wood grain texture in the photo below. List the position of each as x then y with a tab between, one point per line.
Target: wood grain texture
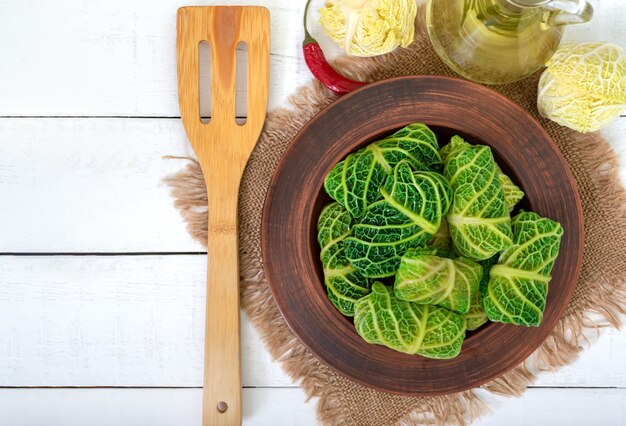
139	321
296	197
222	147
99	182
118	58
93	185
280	407
143	407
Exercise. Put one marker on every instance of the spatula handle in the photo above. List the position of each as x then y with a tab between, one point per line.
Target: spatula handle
222	365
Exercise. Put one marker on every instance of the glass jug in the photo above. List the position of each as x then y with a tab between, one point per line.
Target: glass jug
500	41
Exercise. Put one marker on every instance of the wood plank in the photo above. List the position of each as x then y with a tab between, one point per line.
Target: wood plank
118	58
279	407
138	321
572	407
94	185
139	407
77	320
111	321
90	185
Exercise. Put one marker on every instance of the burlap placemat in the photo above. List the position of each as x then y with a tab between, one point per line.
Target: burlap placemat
600	290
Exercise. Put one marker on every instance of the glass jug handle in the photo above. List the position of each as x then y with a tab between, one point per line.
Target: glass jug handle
569	12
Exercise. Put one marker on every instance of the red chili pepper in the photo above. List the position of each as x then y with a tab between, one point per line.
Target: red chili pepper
321	69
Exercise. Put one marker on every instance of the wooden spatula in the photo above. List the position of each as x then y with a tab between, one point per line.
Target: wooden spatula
222	147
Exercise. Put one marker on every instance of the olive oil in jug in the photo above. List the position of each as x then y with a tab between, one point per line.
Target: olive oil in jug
500	41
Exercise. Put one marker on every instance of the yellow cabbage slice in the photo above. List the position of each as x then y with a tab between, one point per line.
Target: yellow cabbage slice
369	27
584	86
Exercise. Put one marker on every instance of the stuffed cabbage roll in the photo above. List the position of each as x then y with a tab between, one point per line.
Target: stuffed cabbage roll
512	193
479	221
413	205
426	278
425	330
344	284
356	181
518	283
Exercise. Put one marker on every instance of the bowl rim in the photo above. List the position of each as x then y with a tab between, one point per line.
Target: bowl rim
513	108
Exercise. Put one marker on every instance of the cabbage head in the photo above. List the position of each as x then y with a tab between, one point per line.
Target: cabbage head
518	283
426	330
356	181
369	27
584	86
412	208
479	221
426	278
344	284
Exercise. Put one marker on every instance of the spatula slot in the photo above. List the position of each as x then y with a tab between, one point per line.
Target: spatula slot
241	83
204	80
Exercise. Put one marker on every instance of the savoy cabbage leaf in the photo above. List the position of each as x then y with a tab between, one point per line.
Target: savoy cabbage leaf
441	238
356	181
426	330
487	264
512	193
425	277
518	283
476	316
344	284
479	221
413	205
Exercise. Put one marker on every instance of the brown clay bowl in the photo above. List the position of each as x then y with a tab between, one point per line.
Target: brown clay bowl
296	196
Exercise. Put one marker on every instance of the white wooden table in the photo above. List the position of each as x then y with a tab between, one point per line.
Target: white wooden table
101	287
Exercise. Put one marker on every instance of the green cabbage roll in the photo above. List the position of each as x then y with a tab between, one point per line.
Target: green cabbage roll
413	205
344	284
425	330
356	181
518	283
512	193
479	221
426	278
